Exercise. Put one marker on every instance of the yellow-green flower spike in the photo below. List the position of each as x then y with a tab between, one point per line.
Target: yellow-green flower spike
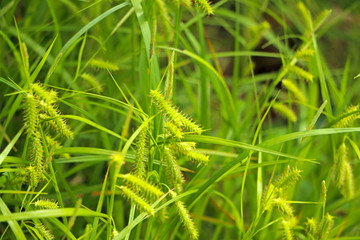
285	111
293	88
287	232
287	179
173	114
339	167
301	73
205	6
44	232
304	53
164	17
283	206
46	204
349	188
141	154
173	130
142	184
57	123
101	64
92	81
185	218
31	113
173	168
188	150
49	97
348	120
138	200
37	153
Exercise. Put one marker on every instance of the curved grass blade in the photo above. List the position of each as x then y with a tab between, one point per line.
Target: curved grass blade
61	212
231	143
8	148
19	234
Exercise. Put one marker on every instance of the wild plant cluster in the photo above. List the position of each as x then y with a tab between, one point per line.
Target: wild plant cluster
179	120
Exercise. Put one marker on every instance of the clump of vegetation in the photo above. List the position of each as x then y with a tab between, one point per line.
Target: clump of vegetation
179	120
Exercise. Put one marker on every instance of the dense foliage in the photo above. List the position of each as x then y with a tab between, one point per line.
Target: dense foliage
235	119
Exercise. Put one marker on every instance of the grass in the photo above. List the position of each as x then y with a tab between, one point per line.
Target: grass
234	120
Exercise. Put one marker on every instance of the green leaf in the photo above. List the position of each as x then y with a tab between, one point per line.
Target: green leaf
8	148
19	234
61	212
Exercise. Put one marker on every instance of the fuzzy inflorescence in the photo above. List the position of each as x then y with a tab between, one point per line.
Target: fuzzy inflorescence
142	184
138	200
31	114
175	175
141	153
301	73
166	107
44	232
287	179
40	103
185	217
189	150
102	64
343	175
348	117
46	204
205	6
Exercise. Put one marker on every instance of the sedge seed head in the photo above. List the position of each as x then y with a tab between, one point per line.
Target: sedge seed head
46	204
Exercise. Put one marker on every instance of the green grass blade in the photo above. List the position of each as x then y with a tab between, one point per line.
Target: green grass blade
19	234
8	148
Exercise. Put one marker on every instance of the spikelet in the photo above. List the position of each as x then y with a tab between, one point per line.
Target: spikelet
163	15
58	123
326	226
138	200
348	120
292	87
46	204
51	142
205	6
49	97
304	53
173	168
173	130
141	153
285	111
188	150
101	64
145	186
323	191
348	189
300	73
312	228
33	175
287	179
31	114
287	232
339	167
268	195
44	232
37	152
283	206
92	81
173	114
185	217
